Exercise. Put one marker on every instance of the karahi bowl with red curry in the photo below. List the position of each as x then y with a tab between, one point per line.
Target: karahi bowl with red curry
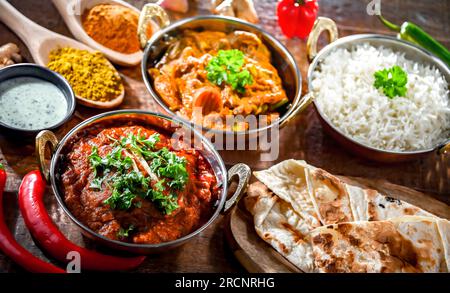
138	181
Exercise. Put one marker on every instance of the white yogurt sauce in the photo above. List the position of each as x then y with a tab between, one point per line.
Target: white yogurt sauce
31	103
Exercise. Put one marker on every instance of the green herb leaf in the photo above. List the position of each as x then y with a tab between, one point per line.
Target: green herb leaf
140	144
227	67
392	80
167	203
151	141
97	182
167	164
126	187
103	166
95	160
124	233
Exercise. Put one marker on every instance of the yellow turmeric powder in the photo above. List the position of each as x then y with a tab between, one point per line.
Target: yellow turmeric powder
90	74
114	26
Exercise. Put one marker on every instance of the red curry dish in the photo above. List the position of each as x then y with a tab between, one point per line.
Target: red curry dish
129	184
223	74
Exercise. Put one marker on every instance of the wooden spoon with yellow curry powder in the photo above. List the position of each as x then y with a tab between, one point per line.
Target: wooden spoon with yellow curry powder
106	92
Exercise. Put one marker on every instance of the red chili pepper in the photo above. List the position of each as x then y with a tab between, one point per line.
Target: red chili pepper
11	248
41	226
296	17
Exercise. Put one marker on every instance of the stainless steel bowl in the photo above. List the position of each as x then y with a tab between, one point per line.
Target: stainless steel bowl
157	45
136	117
33	70
411	52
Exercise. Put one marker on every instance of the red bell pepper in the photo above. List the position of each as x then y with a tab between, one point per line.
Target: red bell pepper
10	247
44	231
296	17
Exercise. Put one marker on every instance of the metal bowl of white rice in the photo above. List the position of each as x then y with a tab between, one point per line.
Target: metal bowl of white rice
362	117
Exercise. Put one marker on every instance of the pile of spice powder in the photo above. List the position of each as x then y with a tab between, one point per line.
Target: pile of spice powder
90	74
114	26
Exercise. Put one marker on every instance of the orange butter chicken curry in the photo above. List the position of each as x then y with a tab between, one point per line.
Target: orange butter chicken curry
221	74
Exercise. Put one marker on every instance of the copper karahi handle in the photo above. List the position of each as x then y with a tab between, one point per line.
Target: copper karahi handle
151	14
321	24
244	173
43	139
298	107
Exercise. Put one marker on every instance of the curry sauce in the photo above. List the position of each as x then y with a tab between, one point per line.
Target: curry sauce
181	79
144	221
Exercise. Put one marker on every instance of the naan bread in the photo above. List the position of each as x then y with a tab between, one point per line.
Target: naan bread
406	244
278	224
358	202
329	196
369	205
444	231
363	230
423	232
288	181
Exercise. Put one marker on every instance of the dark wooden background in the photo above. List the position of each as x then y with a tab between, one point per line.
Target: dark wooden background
303	138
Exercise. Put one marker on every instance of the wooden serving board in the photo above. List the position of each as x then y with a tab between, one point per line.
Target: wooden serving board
257	256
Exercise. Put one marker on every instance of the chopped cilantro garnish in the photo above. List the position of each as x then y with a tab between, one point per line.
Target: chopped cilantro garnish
227	67
167	164
126	187
103	166
127	182
124	233
393	81
167	203
140	143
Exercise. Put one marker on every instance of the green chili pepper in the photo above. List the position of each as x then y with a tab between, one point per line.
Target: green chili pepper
413	33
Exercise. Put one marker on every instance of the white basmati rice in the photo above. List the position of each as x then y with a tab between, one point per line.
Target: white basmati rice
344	91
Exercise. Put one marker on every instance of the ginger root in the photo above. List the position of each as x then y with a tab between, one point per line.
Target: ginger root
243	9
9	54
175	5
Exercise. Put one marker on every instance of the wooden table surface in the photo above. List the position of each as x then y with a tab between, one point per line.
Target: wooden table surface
303	138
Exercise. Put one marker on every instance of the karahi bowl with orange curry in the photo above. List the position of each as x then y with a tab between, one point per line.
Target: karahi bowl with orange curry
207	69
